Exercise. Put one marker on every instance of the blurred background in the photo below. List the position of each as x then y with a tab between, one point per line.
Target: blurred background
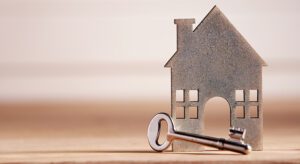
94	68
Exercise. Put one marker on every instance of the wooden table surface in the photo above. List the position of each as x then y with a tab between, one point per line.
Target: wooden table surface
105	133
130	149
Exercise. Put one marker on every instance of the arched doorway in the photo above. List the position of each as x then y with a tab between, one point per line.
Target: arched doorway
217	117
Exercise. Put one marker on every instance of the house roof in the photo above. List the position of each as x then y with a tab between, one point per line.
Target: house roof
213	14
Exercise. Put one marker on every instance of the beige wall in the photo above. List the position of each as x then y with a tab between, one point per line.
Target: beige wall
116	49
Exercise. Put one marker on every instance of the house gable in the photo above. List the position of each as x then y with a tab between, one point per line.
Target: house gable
214	33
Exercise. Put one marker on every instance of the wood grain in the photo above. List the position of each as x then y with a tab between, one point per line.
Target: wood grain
115	132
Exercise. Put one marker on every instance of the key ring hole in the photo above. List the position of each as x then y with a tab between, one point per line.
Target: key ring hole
163	131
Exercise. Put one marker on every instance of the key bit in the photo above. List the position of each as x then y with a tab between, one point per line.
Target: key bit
220	143
237	133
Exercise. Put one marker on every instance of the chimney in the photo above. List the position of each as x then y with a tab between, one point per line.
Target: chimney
184	31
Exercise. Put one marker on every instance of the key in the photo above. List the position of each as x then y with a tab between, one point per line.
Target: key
235	144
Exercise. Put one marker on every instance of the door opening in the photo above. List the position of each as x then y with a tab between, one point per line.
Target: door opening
217	117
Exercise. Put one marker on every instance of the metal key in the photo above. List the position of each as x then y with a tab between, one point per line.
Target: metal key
236	144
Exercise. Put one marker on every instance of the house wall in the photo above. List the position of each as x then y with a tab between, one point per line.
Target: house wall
213	80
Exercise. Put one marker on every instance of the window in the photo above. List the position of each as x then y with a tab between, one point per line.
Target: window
193	95
243	107
193	112
180	112
180	95
239	95
240	112
253	95
254	112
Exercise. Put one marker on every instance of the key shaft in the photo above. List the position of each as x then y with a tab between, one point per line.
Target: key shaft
220	143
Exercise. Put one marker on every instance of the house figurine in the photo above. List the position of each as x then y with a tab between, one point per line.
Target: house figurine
215	60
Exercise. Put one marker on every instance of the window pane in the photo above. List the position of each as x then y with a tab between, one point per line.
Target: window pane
180	112
193	95
253	95
240	112
193	112
179	95
239	95
254	112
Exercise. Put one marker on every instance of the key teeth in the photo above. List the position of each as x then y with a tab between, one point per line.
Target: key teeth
236	133
237	129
